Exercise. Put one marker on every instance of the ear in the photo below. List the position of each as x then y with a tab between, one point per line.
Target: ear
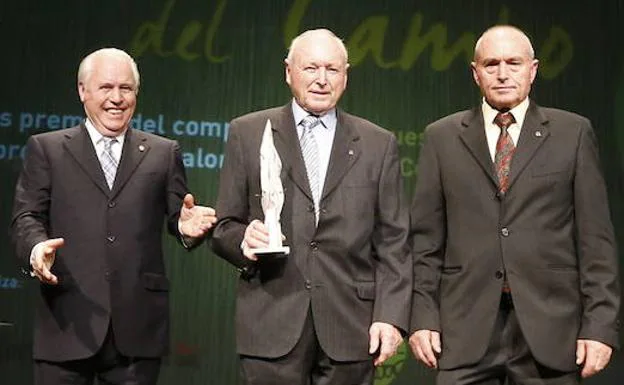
346	75
534	66
475	74
287	71
81	91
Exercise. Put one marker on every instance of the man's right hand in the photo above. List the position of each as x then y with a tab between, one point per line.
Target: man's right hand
256	236
426	346
42	259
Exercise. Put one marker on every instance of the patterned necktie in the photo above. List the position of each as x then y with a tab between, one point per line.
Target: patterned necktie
310	152
108	161
504	149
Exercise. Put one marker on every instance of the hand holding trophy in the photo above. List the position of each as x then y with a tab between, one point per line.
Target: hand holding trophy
272	194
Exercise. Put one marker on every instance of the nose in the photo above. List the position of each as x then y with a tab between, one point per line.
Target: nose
322	76
502	71
116	95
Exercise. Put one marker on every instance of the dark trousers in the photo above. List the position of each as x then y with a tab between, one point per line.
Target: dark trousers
108	365
507	358
306	364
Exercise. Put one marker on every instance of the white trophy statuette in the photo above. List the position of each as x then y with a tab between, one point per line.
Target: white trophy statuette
272	194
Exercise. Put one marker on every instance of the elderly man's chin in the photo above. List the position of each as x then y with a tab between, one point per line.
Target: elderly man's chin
504	101
320	106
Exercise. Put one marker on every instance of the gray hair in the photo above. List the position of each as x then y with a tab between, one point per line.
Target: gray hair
297	39
86	65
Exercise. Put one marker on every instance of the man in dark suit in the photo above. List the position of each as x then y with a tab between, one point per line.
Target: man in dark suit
337	304
89	210
515	272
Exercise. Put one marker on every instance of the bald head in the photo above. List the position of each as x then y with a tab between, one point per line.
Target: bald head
504	32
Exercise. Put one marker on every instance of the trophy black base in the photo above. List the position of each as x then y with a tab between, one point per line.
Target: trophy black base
281	251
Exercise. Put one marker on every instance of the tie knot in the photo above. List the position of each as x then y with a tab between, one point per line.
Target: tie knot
504	120
108	141
310	121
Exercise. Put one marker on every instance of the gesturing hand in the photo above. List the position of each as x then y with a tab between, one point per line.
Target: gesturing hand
195	221
43	258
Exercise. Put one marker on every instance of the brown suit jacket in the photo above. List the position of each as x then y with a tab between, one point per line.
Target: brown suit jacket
551	232
351	270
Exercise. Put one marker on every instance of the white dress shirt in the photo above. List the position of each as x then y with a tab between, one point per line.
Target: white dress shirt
492	131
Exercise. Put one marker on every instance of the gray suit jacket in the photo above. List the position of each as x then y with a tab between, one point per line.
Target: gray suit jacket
111	268
551	232
351	270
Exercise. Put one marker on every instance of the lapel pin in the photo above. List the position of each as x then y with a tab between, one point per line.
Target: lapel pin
538	134
350	152
141	148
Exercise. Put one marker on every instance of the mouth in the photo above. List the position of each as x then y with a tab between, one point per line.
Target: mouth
114	111
504	89
320	93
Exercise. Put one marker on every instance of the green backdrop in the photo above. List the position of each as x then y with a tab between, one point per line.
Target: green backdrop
205	62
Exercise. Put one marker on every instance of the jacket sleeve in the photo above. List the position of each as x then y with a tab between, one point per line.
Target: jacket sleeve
232	203
596	250
427	238
31	205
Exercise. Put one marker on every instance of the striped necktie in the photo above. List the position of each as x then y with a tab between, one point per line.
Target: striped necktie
108	160
310	151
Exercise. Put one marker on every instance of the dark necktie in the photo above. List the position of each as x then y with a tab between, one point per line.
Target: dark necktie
502	160
504	150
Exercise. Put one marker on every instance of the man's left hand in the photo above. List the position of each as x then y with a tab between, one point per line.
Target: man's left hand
195	221
384	340
592	355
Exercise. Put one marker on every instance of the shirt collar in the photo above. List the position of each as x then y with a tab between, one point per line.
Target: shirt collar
96	136
518	112
328	119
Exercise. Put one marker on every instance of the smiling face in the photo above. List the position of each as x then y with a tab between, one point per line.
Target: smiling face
108	90
316	71
504	67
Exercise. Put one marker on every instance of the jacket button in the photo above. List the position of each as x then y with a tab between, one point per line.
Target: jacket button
308	284
499	274
111	238
111	204
314	245
505	232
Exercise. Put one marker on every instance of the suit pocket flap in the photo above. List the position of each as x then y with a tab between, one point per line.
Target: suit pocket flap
365	290
156	282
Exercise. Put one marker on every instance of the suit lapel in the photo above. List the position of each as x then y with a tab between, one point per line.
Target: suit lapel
286	143
474	138
533	133
80	147
345	151
134	150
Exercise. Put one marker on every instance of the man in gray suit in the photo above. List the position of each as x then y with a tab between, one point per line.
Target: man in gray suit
515	267
90	206
338	303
